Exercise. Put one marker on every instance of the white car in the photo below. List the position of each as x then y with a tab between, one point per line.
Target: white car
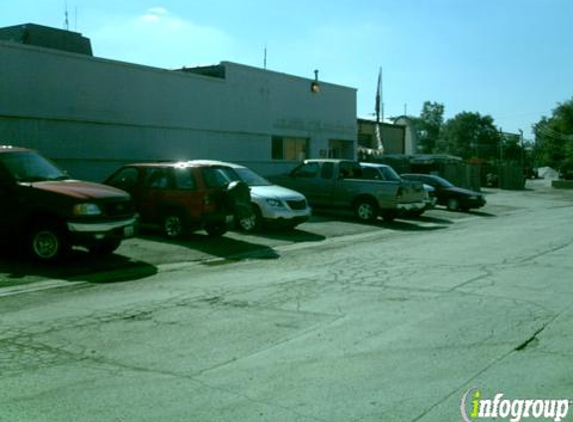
272	204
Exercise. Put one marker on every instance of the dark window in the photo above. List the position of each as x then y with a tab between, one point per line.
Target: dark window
289	148
215	177
308	170
327	171
124	179
277	148
350	170
371	173
157	179
184	179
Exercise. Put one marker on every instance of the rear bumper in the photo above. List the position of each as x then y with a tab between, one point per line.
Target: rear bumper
411	206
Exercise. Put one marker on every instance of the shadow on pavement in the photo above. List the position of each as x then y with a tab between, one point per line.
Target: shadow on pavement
221	247
481	213
407	225
16	268
291	235
428	219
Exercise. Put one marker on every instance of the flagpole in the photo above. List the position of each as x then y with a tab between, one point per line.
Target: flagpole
379	110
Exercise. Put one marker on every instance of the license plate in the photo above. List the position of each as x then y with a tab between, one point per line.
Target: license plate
229	219
129	231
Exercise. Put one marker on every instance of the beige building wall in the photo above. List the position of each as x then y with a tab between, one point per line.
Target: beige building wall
93	114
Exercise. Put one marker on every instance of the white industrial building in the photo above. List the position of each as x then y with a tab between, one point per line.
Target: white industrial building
92	115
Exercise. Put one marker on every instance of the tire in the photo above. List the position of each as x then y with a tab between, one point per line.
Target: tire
105	247
453	204
366	210
216	229
173	225
417	213
46	243
251	223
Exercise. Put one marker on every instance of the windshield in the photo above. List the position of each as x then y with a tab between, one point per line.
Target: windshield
31	167
251	178
442	182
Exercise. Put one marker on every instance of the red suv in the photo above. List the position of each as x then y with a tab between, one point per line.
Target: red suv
180	196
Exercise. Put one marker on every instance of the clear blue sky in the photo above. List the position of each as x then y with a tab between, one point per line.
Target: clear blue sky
511	59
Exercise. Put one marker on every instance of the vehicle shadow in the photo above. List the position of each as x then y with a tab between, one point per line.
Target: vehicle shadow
292	235
16	268
220	247
408	225
481	213
400	223
427	219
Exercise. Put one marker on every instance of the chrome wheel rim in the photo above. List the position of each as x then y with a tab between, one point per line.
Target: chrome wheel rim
248	223
365	211
173	226
46	244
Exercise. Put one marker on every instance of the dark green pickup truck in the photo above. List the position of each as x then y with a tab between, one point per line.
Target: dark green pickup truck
339	184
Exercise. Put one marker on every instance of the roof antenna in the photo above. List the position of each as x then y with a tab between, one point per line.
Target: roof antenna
66	23
265	58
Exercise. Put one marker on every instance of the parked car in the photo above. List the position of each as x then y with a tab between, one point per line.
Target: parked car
338	184
385	173
48	212
271	204
179	197
449	195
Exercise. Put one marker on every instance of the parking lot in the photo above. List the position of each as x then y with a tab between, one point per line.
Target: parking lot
145	254
337	321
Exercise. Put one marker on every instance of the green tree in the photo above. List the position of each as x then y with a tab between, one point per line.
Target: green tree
554	137
429	125
470	135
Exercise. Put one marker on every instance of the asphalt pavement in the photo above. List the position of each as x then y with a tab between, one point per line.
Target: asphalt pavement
344	322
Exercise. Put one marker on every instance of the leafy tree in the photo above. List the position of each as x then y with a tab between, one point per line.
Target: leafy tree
429	125
470	135
554	137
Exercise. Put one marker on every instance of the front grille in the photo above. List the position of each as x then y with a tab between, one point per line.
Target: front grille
118	208
297	204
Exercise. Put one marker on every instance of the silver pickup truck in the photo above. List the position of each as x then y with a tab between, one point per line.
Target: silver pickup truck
340	184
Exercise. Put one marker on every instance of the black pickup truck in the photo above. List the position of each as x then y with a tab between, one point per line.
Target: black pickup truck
47	212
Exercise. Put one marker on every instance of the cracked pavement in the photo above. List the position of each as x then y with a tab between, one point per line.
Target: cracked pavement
381	325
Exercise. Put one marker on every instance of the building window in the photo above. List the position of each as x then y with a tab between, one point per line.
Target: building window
289	148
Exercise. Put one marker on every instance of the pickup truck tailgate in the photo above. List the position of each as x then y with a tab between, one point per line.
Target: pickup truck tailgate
411	192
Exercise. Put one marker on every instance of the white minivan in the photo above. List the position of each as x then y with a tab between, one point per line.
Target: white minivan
272	204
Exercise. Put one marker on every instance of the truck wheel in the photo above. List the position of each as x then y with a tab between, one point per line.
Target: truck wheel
173	225
216	229
366	210
453	204
46	243
105	247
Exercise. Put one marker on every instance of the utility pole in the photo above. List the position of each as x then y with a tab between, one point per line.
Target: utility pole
522	155
500	167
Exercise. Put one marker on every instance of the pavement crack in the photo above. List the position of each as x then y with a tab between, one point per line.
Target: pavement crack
533	340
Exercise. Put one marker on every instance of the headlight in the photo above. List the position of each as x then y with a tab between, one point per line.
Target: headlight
474	198
86	209
275	203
